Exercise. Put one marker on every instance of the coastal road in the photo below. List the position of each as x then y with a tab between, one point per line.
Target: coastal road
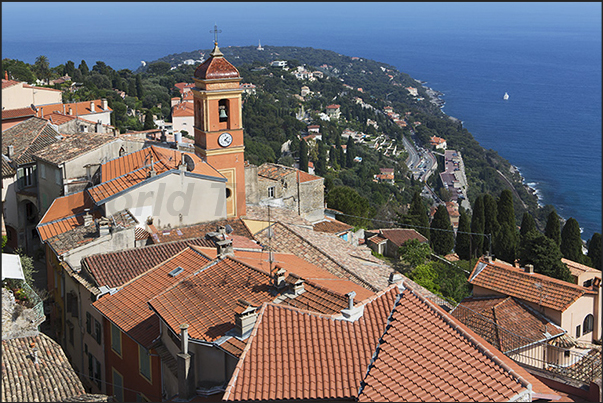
413	156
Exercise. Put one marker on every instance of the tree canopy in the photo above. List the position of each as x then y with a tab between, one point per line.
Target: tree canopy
442	236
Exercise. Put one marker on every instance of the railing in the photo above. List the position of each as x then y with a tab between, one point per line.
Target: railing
36	301
582	365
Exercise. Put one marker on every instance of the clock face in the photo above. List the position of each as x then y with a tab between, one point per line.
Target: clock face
225	139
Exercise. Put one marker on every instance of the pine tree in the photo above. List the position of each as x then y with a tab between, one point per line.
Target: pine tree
442	236
83	68
553	227
148	121
477	227
303	155
463	238
571	243
594	250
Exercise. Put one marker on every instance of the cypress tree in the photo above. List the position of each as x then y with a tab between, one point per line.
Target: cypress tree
321	163
527	224
83	68
506	237
350	152
594	250
303	155
148	121
477	227
553	227
571	243
463	239
139	90
505	212
441	241
544	254
490	220
418	215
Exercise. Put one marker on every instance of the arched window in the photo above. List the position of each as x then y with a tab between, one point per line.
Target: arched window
122	152
588	324
223	110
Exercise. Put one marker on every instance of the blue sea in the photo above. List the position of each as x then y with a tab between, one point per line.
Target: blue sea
546	56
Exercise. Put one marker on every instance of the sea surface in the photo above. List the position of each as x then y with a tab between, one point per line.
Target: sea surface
549	62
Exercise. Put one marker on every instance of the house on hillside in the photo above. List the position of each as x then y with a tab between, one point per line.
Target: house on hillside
575	308
387	241
333	111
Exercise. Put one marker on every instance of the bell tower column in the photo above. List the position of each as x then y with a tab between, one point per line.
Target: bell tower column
218	125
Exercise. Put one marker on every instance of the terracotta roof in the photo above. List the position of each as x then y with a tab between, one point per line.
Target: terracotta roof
333	106
216	67
329	252
73	147
77	108
295	354
52	379
28	137
332	226
9	83
65	213
138	321
277	172
81	235
504	322
117	268
124	172
7	169
200	230
17	113
182	86
183	109
59	118
260	213
577	269
536	288
399	236
207	300
376	239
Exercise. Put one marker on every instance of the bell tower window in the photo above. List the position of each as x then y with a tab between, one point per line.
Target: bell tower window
223	110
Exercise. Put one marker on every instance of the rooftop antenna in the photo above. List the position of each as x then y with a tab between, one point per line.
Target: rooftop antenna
270	257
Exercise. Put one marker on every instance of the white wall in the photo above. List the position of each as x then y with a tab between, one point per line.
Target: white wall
17	96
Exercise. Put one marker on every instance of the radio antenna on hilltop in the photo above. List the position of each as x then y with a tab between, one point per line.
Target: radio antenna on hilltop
216	31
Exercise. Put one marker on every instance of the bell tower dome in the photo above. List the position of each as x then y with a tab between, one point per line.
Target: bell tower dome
218	125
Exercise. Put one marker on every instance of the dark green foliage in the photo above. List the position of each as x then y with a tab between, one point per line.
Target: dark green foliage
544	254
477	227
463	238
571	243
594	250
159	68
446	280
303	155
417	216
148	121
350	152
553	227
490	213
414	252
83	68
505	211
18	70
505	243
42	68
348	201
441	234
527	224
139	89
69	68
320	165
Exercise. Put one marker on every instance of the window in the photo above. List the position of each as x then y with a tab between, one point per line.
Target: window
588	324
115	339
144	361
26	176
57	177
566	353
94	370
141	398
588	283
97	331
118	386
578	334
88	323
271	191
223	110
70	332
42	171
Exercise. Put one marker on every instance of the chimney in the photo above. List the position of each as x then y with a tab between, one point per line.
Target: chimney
296	283
394	277
351	296
225	248
105	104
92	106
186	368
529	268
70	111
103	227
352	313
35	355
245	317
87	218
152	171
279	277
182	165
11	151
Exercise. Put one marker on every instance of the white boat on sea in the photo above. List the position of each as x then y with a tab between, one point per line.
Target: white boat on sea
506	96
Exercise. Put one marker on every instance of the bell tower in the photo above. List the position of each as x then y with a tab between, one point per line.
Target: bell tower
218	125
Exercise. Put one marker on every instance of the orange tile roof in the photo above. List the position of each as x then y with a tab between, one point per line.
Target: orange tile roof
216	67
518	325
17	113
183	109
276	172
577	269
9	83
128	309
403	348
65	213
121	173
536	288
207	300
77	108
399	236
332	226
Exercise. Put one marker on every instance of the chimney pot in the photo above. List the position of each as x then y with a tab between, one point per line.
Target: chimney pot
105	104
279	277
70	111
245	317
184	337
92	106
529	268
394	277
351	296
11	151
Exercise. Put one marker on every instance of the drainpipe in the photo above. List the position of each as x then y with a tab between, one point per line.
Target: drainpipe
298	201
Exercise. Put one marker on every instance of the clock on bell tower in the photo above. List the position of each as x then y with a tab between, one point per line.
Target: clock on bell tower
218	125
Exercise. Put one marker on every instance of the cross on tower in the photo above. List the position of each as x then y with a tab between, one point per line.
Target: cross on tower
216	31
